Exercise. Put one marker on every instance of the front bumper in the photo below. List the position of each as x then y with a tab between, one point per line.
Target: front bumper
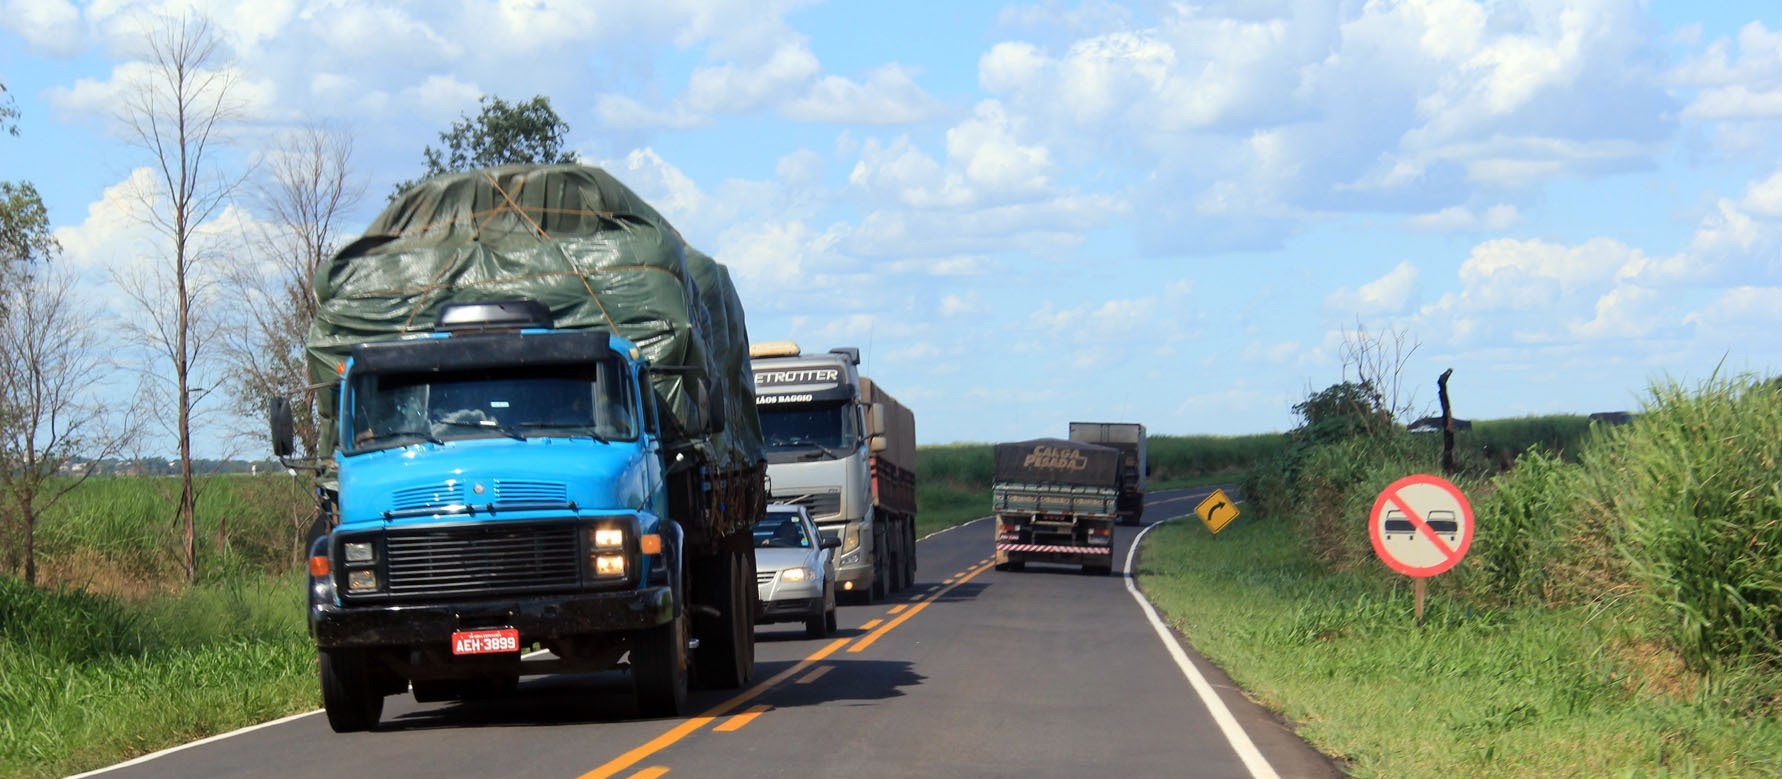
789	610
538	618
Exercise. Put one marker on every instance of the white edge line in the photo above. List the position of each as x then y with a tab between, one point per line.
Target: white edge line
1234	733
945	529
220	736
200	742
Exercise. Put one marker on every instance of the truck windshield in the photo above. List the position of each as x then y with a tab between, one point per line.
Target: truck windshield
822	431
588	400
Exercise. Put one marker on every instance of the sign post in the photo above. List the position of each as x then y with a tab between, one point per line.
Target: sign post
1421	525
1216	511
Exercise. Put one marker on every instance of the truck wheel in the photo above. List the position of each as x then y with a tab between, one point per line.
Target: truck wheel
347	694
880	569
909	557
726	655
659	668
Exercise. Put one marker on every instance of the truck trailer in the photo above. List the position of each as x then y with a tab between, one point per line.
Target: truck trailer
1129	438
841	446
541	432
1055	502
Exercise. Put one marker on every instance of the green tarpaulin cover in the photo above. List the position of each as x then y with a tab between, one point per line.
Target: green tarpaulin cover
568	236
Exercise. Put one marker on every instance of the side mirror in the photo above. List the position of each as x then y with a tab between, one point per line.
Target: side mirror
877	444
829	543
278	413
875	419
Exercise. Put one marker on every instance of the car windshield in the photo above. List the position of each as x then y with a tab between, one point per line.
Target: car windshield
781	530
587	400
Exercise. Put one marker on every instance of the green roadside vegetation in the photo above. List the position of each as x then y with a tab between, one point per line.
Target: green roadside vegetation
1619	612
112	656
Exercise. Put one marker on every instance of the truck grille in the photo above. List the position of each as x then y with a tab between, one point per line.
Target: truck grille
819	504
483	559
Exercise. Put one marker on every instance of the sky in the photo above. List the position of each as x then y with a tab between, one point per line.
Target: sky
1031	213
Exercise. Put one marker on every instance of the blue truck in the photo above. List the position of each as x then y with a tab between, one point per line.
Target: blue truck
542	452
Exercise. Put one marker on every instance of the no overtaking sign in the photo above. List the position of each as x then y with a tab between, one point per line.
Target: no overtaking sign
1421	525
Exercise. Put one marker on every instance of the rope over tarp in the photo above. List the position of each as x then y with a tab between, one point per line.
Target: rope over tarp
571	237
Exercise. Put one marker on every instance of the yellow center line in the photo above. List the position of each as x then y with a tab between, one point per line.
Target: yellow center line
737	722
815	674
870	624
950	581
614	766
651	773
867	640
898	607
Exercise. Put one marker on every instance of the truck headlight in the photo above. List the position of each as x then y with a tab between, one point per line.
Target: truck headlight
608	538
609	565
363	580
850	537
360	552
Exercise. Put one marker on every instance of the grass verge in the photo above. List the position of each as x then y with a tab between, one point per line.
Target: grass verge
86	681
1525	691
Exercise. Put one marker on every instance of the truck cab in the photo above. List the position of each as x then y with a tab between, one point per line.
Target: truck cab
501	485
830	446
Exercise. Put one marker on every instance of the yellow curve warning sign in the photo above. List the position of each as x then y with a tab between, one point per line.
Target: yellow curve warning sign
1216	511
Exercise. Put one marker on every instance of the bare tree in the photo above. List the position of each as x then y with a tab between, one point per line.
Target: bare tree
49	362
309	189
1377	360
176	112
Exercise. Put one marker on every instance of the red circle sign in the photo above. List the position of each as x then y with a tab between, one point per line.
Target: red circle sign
1421	525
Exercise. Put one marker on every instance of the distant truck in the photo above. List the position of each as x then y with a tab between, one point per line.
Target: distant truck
1129	438
845	449
541	431
1055	502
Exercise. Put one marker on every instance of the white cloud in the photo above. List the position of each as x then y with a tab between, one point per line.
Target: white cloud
1390	294
49	26
731	89
1739	314
1461	218
889	95
969	304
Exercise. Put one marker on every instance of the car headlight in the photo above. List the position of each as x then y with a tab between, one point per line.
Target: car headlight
795	575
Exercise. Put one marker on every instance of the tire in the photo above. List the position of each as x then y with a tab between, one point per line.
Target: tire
816	625
909	557
352	703
726	655
829	621
881	565
659	669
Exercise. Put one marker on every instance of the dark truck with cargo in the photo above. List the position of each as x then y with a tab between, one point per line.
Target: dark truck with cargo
1054	502
1129	438
540	431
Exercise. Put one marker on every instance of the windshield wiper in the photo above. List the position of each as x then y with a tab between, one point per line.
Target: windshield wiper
834	454
424	435
483	425
580	428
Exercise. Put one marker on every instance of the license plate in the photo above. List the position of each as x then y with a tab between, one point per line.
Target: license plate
484	642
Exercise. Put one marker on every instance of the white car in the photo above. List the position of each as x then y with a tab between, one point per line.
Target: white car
795	570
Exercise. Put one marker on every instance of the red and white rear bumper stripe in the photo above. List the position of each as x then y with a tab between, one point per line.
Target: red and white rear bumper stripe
1056	549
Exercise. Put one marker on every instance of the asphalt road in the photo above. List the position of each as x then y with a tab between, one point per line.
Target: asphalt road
971	673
